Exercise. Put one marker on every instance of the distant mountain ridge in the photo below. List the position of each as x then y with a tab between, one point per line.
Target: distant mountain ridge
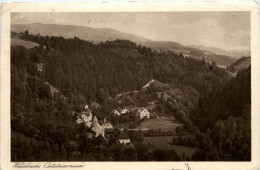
97	35
231	53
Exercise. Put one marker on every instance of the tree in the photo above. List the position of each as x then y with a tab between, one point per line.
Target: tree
26	33
102	96
198	156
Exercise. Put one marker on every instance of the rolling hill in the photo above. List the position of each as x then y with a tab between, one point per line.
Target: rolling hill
67	31
192	51
97	35
232	53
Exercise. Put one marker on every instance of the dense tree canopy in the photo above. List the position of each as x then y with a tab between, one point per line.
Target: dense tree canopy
76	71
111	67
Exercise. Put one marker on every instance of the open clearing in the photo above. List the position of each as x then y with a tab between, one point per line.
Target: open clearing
163	124
26	44
164	142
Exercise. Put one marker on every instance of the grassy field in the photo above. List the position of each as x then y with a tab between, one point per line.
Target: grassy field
164	142
26	44
163	124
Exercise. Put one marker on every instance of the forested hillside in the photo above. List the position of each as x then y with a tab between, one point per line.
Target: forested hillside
97	35
230	100
225	116
52	81
78	66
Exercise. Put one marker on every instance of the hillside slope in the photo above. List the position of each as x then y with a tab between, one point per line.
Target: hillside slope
240	64
235	96
68	59
224	115
26	44
67	31
191	51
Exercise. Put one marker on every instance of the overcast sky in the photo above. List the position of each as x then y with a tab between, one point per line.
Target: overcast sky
226	30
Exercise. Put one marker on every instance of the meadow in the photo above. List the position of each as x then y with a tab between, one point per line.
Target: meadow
164	142
162	123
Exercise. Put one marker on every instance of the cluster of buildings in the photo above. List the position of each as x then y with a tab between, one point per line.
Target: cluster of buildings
99	130
91	122
141	112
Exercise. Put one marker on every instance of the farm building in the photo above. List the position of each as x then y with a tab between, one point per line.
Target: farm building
124	139
144	113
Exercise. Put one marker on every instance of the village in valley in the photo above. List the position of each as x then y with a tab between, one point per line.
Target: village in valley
139	123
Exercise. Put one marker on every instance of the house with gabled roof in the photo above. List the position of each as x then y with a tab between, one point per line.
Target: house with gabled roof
124	111
144	113
97	128
107	125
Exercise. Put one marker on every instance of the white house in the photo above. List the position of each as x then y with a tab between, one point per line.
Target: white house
39	67
86	116
124	111
144	113
115	112
107	125
124	139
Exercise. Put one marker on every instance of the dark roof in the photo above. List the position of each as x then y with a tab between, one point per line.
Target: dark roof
87	113
101	138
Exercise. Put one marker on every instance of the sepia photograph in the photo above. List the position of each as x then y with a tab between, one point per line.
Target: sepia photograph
156	86
130	86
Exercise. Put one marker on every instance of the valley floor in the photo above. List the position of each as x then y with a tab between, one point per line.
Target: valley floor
163	124
165	143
